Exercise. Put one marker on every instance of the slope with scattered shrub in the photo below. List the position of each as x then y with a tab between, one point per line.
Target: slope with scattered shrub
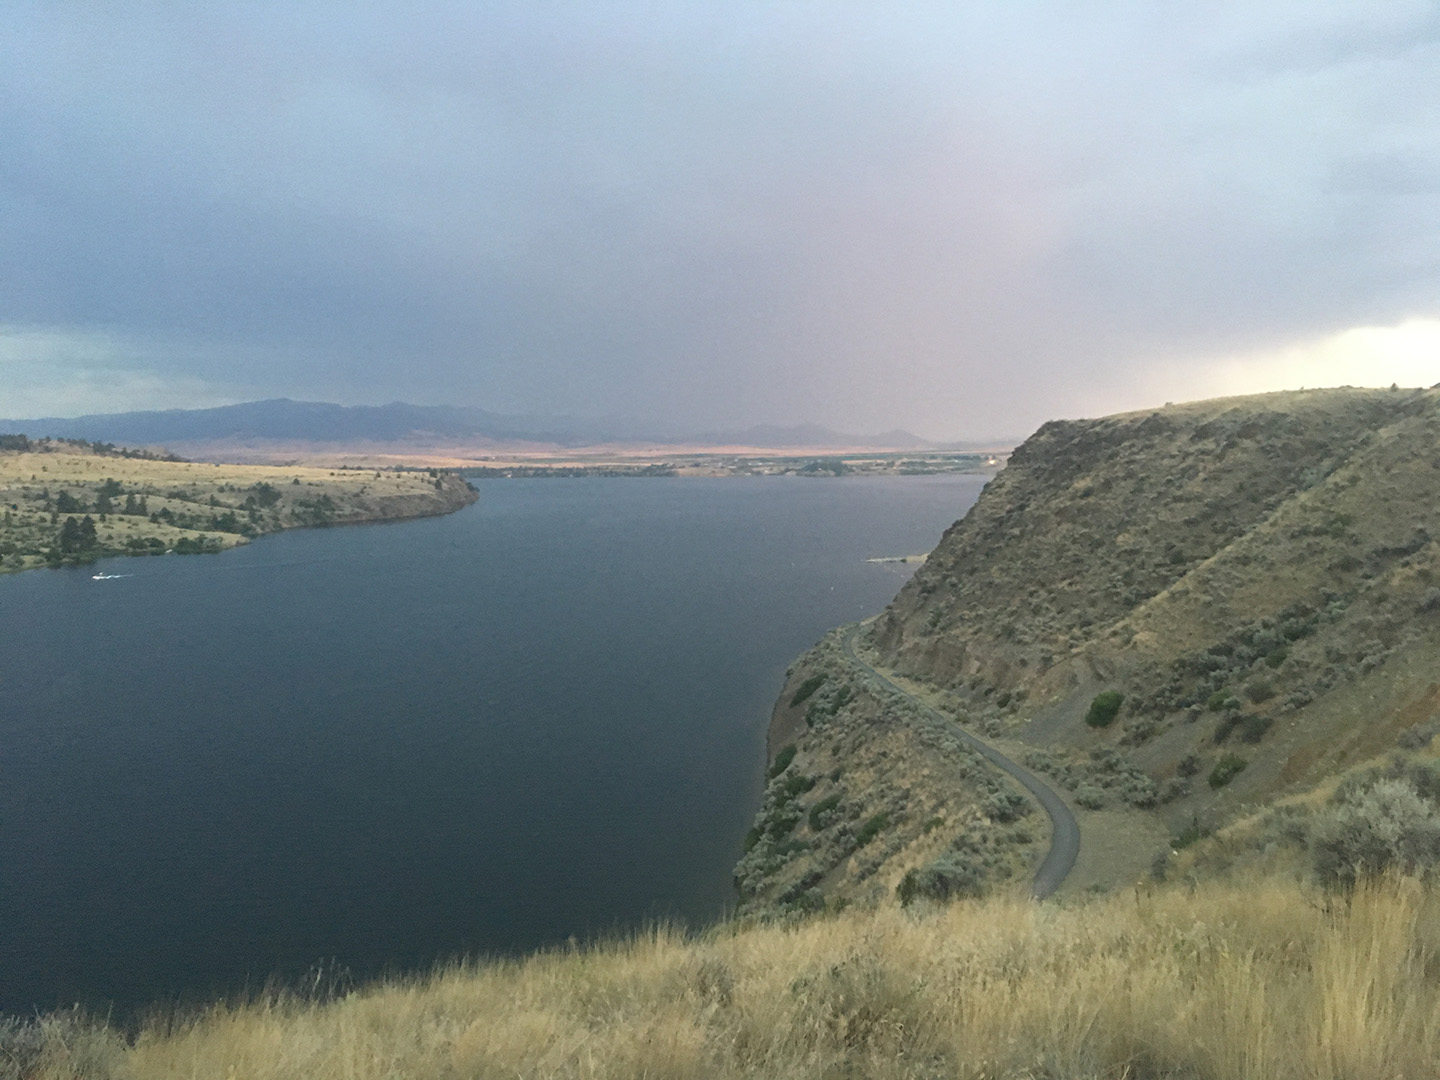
864	789
1225	602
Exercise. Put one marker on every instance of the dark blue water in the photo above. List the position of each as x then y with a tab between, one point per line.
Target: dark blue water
379	746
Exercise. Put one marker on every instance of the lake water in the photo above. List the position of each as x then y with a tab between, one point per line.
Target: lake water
380	746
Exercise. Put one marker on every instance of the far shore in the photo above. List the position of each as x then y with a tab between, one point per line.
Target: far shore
650	460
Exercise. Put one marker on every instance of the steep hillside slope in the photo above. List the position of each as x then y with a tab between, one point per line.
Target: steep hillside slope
1255	576
1250	585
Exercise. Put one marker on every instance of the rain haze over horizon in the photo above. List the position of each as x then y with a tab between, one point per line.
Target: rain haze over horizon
956	219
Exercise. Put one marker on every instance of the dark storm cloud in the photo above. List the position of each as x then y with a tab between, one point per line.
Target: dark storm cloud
960	219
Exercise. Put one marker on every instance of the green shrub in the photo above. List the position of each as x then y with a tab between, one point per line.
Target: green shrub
753	837
872	828
1005	806
796	784
806	688
1254	727
1227	725
947	878
1103	708
1419	736
1251	725
822	708
1388	824
1277	657
1226	769
782	760
65	503
1217	701
1260	690
264	495
198	545
1188	835
823	812
782	821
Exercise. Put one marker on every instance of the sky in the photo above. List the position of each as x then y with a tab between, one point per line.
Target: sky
960	219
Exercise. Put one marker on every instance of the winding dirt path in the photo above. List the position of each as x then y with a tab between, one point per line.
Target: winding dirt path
1065	830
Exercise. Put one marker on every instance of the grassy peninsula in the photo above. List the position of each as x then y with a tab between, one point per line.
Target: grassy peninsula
66	501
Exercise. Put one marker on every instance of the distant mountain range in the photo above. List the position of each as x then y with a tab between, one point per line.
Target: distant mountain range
283	420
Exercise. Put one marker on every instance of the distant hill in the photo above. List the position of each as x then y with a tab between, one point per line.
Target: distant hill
281	419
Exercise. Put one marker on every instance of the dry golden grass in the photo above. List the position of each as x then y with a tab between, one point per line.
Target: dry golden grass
74	467
1266	981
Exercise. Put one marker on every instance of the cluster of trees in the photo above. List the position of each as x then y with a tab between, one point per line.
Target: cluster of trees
78	537
65	503
227	522
262	497
316	511
110	490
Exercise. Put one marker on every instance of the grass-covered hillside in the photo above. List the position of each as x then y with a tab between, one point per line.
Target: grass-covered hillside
1235	599
63	501
1258	980
1177	618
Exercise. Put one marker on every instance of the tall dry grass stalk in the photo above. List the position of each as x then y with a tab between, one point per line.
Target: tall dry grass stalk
1268	981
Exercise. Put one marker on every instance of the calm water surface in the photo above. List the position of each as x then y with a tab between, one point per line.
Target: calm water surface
381	746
